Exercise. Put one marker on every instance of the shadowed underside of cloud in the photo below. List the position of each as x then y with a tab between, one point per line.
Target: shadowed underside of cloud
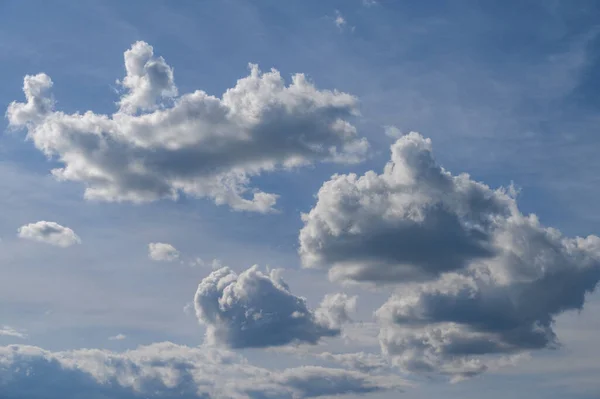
50	233
167	371
479	280
158	144
254	309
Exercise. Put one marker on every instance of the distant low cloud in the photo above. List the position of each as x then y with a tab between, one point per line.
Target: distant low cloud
162	252
49	233
478	278
118	337
254	309
6	331
169	371
159	144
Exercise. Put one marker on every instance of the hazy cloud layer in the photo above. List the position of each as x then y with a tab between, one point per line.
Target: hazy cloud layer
167	371
478	277
158	144
49	233
160	251
254	309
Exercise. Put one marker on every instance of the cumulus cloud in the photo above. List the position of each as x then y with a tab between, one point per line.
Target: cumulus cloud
254	309
159	144
160	251
479	279
167	371
118	337
335	309
49	233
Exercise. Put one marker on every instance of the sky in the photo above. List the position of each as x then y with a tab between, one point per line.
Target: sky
299	199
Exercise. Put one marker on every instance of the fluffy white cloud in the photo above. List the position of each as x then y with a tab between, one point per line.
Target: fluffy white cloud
50	233
158	144
479	280
118	337
335	309
254	309
160	251
167	371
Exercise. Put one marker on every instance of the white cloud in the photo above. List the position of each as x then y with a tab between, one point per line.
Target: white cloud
6	331
254	309
49	233
118	337
479	281
168	371
335	309
160	251
339	20
159	145
392	132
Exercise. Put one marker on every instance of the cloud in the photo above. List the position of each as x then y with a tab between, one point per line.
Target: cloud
339	20
6	331
50	233
335	309
160	145
118	337
413	222
392	132
167	371
479	280
254	309
160	251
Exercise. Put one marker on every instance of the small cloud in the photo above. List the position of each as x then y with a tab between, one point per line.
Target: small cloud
118	337
188	308
160	251
369	3
213	264
50	233
392	131
339	20
6	331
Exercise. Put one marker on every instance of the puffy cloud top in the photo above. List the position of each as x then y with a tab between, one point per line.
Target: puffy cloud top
478	277
50	233
158	144
254	309
413	222
160	251
168	371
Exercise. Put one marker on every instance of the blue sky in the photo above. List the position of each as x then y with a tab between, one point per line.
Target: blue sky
506	91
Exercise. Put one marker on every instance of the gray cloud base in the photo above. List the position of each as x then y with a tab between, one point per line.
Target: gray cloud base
158	144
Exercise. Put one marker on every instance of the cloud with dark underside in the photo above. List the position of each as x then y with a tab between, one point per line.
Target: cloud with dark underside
254	309
159	144
168	371
477	280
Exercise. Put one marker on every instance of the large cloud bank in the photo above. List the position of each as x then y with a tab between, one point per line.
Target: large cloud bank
168	371
255	309
158	144
477	278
